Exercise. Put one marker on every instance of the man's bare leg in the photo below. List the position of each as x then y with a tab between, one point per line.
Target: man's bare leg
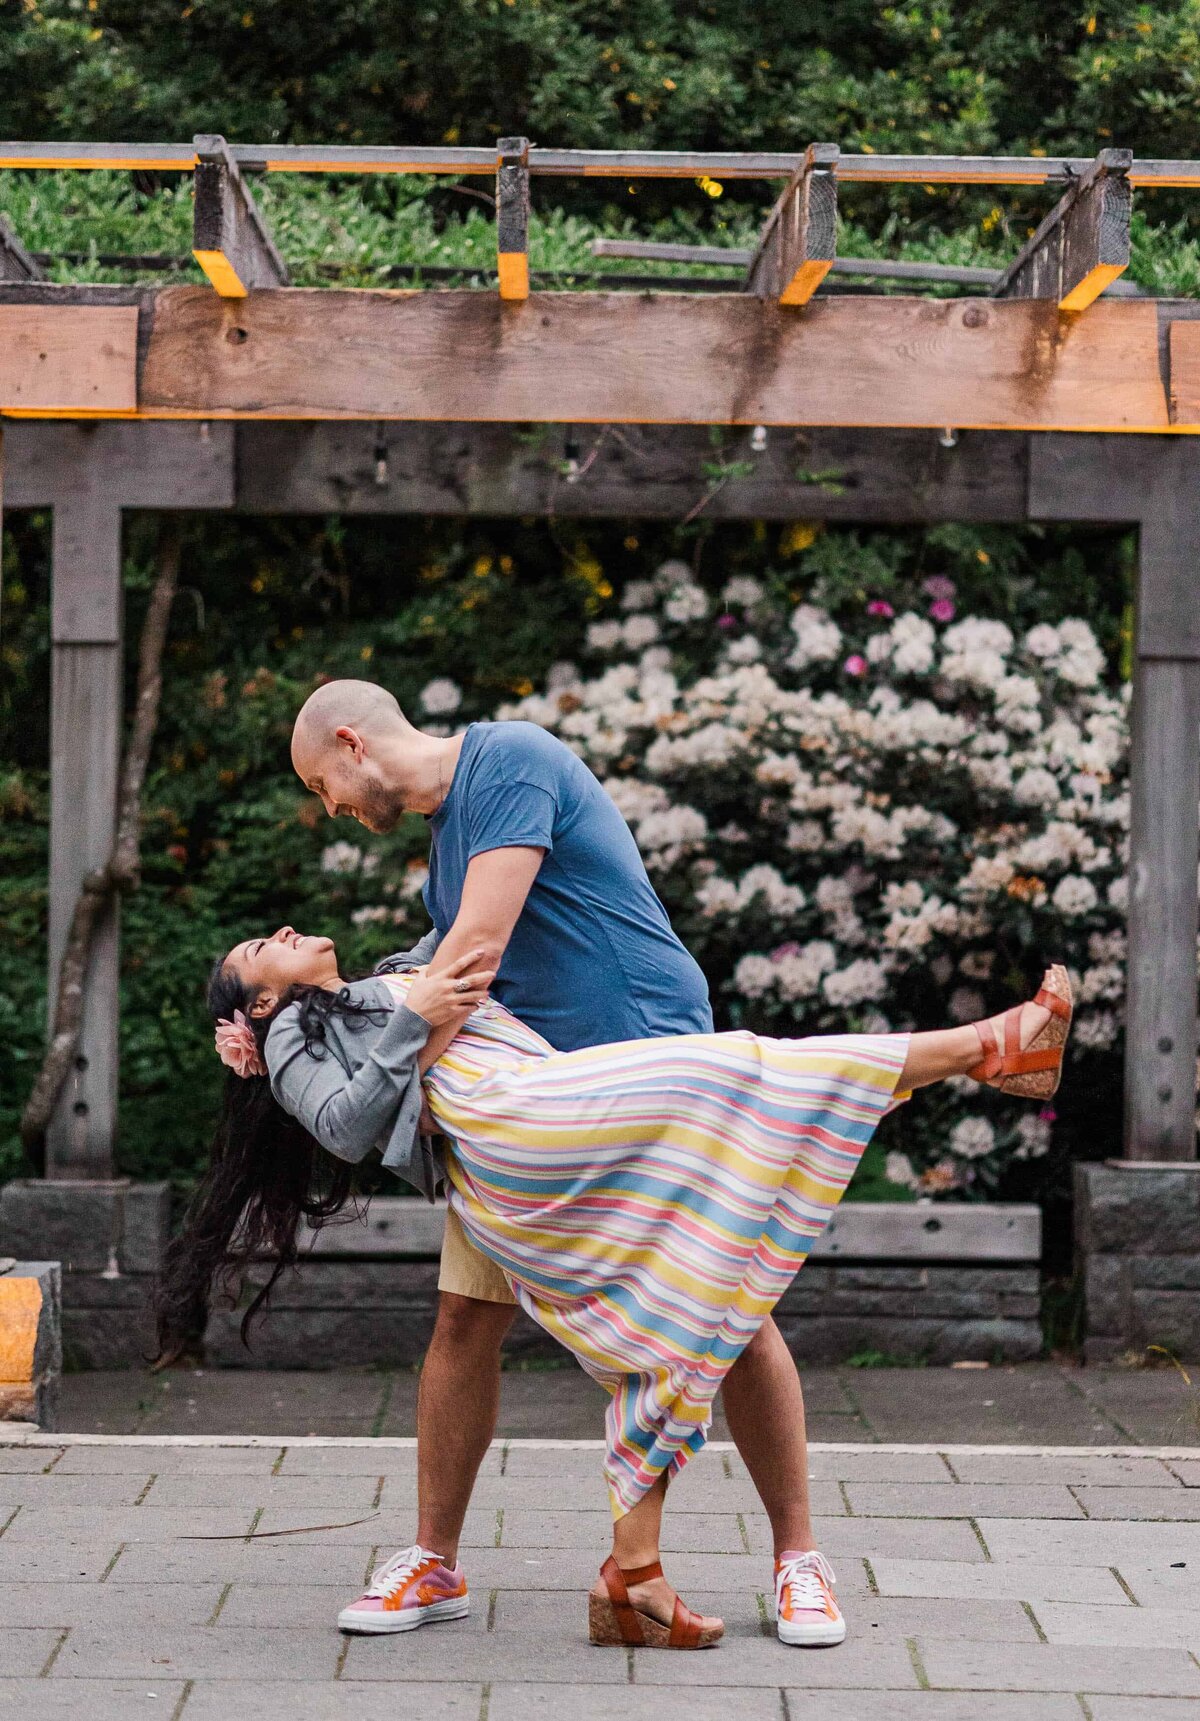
458	1400
764	1408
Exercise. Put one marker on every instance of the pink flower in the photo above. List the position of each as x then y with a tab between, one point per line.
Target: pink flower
237	1046
855	665
726	621
942	610
1048	1114
782	951
880	606
939	586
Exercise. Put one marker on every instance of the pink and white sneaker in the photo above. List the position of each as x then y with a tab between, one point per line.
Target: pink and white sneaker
411	1589
805	1611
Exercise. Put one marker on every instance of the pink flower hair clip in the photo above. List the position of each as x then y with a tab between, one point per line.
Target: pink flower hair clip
237	1046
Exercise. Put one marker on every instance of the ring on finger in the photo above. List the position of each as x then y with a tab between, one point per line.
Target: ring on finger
462	986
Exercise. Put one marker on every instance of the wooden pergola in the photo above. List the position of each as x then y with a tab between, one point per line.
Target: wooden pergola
1055	392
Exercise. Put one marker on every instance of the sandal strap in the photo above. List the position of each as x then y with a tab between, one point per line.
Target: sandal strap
628	1623
1027	1063
1051	1001
641	1574
991	1061
686	1627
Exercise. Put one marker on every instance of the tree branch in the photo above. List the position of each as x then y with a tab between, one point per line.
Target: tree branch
122	871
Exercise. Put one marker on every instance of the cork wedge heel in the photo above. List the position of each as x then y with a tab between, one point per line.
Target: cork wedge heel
614	1622
1032	1072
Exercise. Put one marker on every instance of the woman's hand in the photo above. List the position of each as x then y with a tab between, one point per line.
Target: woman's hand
449	996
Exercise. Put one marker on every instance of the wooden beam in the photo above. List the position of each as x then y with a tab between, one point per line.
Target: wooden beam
142	464
603	358
15	262
592	163
799	242
1183	349
1082	245
229	237
649	472
68	359
512	217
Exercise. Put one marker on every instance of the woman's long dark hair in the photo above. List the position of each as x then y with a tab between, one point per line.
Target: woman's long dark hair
265	1174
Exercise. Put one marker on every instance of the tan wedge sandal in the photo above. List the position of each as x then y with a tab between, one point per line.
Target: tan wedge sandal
1032	1073
614	1622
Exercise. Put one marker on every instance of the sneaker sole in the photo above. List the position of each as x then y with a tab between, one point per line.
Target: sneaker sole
811	1636
403	1619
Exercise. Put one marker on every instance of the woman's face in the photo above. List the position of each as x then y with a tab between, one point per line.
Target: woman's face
269	966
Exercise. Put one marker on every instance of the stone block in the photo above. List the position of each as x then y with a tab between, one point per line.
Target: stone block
1106	1292
1166	1272
116	1335
832	1338
87	1225
1135	1211
30	1342
321	1338
1169	1318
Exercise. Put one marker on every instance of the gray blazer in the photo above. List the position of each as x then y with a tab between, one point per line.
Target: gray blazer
365	1091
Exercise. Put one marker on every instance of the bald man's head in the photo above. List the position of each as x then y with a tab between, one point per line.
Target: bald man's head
353	746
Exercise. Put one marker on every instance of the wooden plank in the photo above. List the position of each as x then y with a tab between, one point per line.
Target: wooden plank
512	217
1183	348
1168	602
799	241
68	359
648	472
85	603
85	724
394	1227
142	464
601	358
15	262
653	164
1160	1009
230	240
1082	245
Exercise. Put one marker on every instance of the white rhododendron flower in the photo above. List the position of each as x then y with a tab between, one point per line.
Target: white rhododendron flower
898	1169
972	1138
869	821
742	591
341	857
1074	895
441	697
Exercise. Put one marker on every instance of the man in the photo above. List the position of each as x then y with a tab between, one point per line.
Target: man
532	866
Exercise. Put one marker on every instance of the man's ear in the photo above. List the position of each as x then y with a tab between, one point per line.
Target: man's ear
353	741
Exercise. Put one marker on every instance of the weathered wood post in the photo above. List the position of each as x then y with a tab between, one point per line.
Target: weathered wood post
1160	1037
85	740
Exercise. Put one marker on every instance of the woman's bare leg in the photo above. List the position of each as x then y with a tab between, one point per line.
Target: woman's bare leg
636	1543
956	1051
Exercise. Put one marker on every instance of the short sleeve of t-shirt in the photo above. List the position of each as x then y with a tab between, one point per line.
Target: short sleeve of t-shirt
510	816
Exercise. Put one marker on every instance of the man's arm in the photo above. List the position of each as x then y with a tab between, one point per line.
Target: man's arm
494	892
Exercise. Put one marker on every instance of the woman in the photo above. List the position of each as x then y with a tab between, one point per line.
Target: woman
649	1201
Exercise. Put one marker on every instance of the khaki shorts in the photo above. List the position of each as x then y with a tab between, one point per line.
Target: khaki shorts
466	1271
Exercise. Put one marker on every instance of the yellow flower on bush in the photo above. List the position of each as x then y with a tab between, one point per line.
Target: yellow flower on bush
798	536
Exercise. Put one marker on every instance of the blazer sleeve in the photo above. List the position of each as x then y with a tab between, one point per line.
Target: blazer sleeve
349	1114
404	961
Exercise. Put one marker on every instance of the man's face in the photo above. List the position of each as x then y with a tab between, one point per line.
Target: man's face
349	782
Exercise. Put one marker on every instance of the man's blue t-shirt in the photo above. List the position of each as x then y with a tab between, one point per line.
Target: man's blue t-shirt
592	958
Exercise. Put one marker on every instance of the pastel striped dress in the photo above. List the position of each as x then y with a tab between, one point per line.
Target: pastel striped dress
650	1201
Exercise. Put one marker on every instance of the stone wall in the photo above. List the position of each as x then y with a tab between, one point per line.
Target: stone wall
1137	1244
30	1341
109	1238
909	1281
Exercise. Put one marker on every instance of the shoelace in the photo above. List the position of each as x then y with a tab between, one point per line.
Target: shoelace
393	1574
802	1580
